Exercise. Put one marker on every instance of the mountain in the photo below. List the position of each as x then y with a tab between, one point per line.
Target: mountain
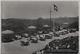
22	24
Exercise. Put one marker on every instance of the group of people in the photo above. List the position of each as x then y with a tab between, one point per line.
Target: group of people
28	36
34	38
60	44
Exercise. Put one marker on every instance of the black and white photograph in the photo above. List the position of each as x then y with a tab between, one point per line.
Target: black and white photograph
39	27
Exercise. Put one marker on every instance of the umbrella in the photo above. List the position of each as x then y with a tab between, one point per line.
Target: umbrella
32	27
66	23
7	32
45	26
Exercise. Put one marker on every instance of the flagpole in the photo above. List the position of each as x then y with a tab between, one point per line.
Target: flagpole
52	23
50	10
50	16
53	18
54	14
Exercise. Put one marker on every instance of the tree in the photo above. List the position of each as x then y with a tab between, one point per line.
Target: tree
74	25
39	23
15	25
56	26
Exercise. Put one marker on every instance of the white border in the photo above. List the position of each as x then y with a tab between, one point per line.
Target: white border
38	0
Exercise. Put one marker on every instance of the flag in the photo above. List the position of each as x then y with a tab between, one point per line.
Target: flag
55	8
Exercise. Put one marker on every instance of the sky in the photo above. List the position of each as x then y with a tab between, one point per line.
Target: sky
36	9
